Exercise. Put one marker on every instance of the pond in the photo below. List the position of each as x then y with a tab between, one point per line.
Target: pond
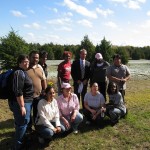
140	69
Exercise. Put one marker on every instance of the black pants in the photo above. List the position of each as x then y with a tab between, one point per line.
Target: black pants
102	88
82	94
123	94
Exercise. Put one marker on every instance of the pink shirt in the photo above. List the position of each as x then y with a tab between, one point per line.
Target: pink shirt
66	108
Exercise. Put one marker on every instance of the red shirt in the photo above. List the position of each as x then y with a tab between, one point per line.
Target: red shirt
64	69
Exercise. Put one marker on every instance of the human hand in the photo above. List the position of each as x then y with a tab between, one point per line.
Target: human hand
73	117
58	129
93	111
23	111
67	124
55	130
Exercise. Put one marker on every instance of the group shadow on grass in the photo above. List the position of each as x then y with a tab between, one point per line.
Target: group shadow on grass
31	139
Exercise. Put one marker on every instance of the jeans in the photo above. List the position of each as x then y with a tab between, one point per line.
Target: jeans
89	117
75	124
21	122
46	132
115	114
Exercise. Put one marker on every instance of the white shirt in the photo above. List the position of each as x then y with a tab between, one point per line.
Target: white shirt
48	112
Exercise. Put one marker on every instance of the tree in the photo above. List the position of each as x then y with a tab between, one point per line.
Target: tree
105	48
88	45
11	47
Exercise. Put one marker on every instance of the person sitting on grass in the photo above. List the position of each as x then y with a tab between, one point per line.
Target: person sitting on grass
47	121
94	104
115	108
68	104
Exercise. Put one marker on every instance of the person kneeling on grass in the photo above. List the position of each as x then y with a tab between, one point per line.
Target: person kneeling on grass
115	108
47	121
68	104
94	103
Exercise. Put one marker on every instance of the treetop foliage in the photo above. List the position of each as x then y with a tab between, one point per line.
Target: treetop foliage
12	45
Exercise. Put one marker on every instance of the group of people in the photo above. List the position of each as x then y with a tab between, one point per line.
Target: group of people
57	115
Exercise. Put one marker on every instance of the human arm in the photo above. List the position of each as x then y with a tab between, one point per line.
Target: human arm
44	114
18	85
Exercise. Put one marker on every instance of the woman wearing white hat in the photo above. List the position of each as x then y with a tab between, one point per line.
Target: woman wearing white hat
68	105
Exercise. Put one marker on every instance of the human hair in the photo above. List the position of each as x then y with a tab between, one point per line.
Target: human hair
66	54
110	85
117	56
49	87
43	53
83	50
33	52
93	84
22	57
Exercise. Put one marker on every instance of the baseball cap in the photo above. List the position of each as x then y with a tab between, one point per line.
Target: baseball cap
98	56
65	86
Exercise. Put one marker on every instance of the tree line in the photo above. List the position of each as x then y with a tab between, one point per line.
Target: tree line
12	45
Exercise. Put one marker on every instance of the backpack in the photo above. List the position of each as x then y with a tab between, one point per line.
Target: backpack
6	84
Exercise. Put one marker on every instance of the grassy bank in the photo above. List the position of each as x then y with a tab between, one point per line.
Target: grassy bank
132	132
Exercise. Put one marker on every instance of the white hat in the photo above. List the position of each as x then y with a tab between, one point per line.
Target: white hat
65	85
98	56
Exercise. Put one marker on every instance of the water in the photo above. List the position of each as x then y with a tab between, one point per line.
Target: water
140	69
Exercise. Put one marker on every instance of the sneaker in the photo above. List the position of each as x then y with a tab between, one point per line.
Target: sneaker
87	122
75	131
41	140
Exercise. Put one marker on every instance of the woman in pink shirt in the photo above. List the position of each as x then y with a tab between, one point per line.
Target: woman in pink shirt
68	105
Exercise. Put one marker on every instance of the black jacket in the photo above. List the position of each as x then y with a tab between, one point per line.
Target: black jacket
76	71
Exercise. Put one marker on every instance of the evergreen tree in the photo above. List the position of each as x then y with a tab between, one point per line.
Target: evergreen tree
88	45
105	48
11	47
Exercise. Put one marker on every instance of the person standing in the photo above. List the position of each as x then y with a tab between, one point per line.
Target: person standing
37	75
119	74
42	61
22	99
80	72
64	70
98	73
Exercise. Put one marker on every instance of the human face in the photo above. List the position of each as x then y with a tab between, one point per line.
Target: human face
117	61
44	58
66	92
24	64
83	55
51	94
67	57
94	88
113	88
34	59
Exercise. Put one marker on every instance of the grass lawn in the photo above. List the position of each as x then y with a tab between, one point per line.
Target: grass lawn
131	133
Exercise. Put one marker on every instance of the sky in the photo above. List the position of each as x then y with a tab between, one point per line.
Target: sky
122	22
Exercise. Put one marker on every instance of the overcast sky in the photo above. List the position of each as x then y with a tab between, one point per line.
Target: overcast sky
122	22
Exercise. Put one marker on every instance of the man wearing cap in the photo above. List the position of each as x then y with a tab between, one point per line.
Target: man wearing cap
98	73
119	73
80	71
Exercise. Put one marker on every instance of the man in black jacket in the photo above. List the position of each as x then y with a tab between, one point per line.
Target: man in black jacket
80	71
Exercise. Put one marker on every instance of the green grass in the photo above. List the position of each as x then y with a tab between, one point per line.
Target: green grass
131	133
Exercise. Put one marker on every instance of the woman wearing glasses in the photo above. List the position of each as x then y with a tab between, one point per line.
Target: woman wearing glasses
47	121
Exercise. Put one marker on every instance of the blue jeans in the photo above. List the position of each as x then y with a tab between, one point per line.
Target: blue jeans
115	114
21	122
46	132
75	124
